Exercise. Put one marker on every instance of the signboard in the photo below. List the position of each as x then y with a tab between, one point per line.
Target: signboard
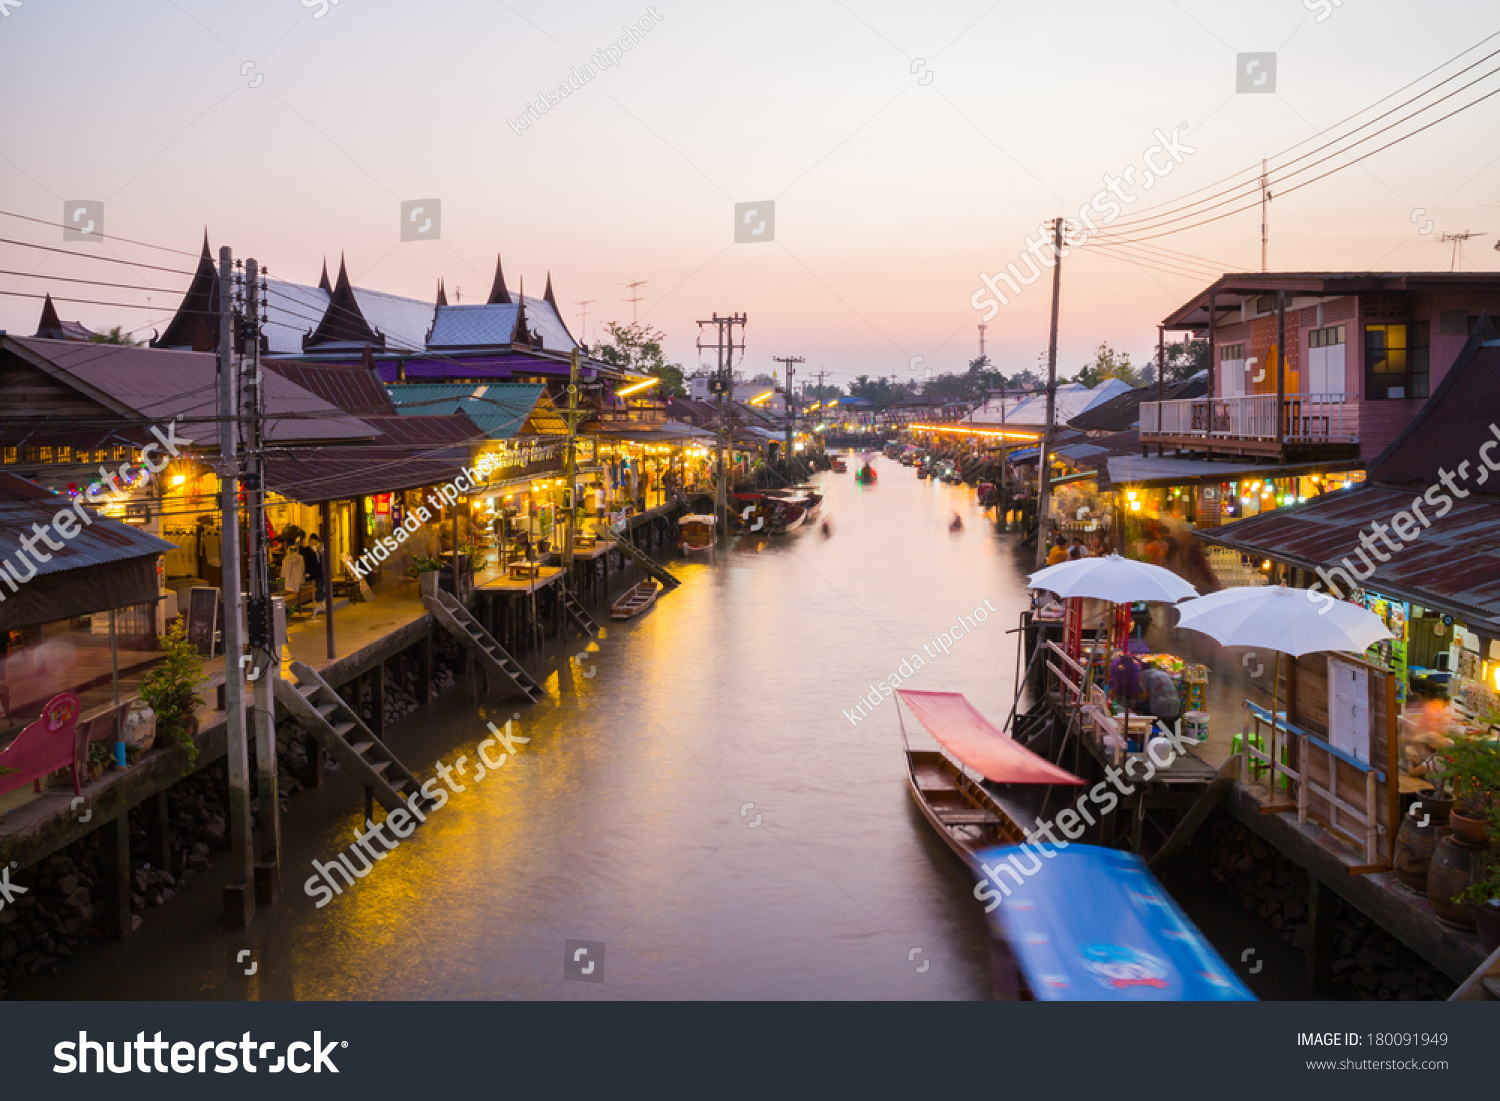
203	619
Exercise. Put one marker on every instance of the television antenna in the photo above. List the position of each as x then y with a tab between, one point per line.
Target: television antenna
635	299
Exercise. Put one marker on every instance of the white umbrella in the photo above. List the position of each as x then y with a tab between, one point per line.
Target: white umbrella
1118	580
1289	621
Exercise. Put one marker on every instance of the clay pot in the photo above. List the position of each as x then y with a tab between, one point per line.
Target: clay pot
1454	866
1469	831
1487	924
1415	843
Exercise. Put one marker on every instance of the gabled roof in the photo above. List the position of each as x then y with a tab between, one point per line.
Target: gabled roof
501	410
499	292
355	389
1453	423
494	325
195	325
51	327
1123	411
343	323
1193	314
406	453
1030	410
157	385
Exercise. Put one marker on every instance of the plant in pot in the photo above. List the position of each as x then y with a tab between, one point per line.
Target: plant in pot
1470	766
1483	892
428	571
171	690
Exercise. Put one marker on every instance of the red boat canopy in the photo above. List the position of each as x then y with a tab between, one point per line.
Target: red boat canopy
970	737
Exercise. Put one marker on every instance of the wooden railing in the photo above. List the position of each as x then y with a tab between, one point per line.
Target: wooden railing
1305	418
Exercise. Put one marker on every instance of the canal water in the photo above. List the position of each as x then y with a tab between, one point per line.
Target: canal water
701	801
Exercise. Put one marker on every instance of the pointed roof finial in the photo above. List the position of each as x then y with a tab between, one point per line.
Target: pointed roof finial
343	322
520	334
442	295
547	294
50	326
323	283
206	251
498	293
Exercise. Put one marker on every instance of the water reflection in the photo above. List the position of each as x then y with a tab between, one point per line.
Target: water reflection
694	796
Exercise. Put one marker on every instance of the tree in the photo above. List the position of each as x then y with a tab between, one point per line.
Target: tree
638	348
1109	364
878	391
1185	359
115	336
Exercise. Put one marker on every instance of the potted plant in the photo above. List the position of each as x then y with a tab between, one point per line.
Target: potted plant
171	690
1483	892
428	571
99	759
1470	766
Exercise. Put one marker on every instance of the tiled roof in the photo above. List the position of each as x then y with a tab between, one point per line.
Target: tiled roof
481	325
499	409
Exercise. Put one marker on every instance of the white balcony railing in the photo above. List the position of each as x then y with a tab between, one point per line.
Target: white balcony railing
1305	418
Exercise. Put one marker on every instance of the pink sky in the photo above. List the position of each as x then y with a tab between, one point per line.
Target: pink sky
891	194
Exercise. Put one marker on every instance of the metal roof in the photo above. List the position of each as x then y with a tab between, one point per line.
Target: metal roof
482	325
408	453
500	409
1453	564
1030	410
1137	470
354	389
102	542
1193	314
1123	411
295	310
1453	424
160	385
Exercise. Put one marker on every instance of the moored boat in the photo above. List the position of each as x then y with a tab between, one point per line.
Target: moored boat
635	601
696	533
838	465
1070	923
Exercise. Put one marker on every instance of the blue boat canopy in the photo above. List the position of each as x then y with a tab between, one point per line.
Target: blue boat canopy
1094	924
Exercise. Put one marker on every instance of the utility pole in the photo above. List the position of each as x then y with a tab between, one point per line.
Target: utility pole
1044	461
260	615
571	466
635	299
723	384
982	327
787	361
1265	205
1004	463
239	892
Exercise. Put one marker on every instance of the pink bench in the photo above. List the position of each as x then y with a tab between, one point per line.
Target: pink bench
44	747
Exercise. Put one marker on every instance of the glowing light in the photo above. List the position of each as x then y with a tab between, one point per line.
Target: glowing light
1130	493
1266	565
637	388
1135	506
1497	678
761	397
178	479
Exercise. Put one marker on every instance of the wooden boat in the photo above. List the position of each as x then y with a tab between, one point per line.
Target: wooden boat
1095	925
696	533
839	466
635	601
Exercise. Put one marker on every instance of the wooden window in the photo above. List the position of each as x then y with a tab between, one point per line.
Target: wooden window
1385	362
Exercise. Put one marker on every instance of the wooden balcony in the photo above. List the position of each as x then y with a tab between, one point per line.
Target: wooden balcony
1311	425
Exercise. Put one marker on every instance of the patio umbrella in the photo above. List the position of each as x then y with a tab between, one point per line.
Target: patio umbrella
1289	621
1118	580
1283	620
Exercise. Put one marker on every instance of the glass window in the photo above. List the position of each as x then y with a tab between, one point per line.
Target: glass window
1385	362
1419	359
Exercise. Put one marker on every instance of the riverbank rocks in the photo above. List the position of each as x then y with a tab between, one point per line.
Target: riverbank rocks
1369	964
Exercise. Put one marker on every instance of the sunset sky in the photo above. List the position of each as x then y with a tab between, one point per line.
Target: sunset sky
292	138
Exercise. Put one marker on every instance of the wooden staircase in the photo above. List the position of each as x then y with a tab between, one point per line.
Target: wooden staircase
577	614
463	626
1483	985
638	556
338	728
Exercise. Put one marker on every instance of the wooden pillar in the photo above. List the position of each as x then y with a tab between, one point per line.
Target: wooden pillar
158	832
114	865
1322	909
325	514
1280	371
424	670
377	695
1213	358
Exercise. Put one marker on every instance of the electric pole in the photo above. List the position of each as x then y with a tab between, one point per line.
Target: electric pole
723	383
265	655
1044	461
571	465
1265	206
239	892
787	362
